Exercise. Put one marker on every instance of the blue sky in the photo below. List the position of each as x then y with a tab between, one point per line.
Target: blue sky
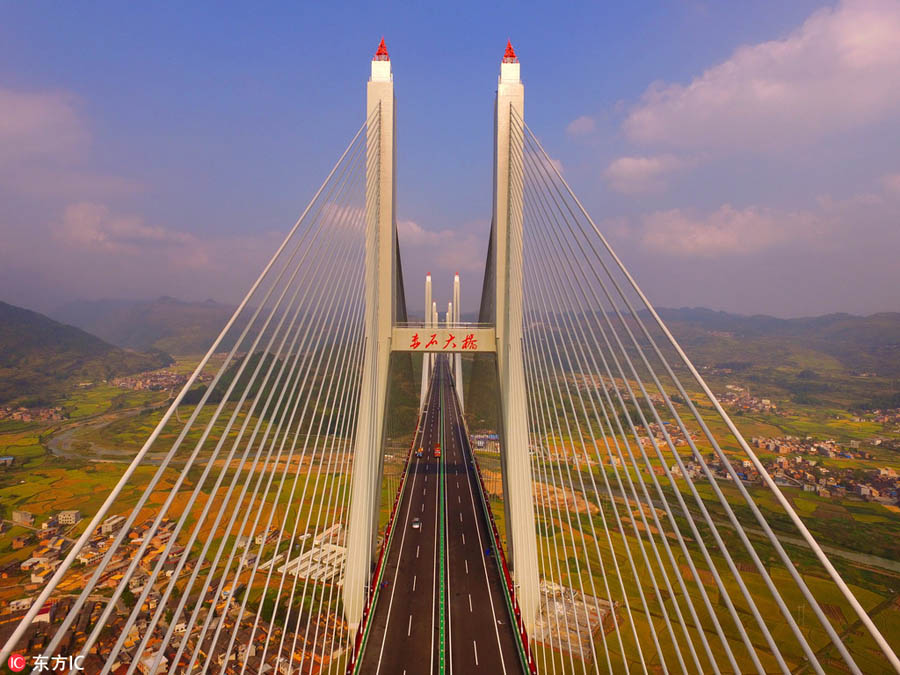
740	155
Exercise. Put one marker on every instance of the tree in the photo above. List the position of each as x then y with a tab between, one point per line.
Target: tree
128	598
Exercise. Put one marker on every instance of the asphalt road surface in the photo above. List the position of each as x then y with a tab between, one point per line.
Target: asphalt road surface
418	620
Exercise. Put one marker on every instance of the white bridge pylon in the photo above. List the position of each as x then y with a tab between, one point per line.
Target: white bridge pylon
450	342
426	358
501	305
383	308
387	330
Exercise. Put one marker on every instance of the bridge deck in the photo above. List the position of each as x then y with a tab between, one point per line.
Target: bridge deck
405	635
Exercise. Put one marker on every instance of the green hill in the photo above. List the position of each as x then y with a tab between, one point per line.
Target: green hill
802	356
41	358
831	342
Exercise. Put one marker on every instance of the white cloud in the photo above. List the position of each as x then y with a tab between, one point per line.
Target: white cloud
726	231
44	145
93	226
410	233
837	255
442	253
38	124
556	164
839	70
617	228
94	250
631	175
832	223
100	234
448	250
581	126
891	184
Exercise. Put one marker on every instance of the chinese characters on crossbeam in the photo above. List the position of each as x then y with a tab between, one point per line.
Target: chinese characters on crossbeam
446	341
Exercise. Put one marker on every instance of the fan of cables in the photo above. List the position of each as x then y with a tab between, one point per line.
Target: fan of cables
654	548
232	550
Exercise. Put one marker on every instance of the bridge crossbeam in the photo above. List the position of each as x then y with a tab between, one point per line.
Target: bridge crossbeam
457	338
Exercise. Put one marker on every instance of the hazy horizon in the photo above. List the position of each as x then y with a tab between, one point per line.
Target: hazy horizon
471	313
740	157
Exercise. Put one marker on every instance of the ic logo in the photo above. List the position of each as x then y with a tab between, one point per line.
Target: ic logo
16	663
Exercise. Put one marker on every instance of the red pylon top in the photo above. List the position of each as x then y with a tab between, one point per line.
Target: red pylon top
509	56
381	53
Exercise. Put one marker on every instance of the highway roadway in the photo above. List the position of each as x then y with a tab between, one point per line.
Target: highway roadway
441	607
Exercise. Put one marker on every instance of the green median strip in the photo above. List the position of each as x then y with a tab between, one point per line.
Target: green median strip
441	537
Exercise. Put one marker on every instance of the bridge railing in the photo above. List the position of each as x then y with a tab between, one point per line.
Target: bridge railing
508	584
461	325
362	633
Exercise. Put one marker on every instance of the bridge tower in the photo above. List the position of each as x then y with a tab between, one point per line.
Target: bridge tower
426	358
457	358
384	307
501	304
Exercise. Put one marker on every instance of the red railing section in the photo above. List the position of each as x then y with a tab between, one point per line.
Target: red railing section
362	631
359	641
507	577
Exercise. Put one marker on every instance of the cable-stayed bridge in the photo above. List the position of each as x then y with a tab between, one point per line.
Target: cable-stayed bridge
551	489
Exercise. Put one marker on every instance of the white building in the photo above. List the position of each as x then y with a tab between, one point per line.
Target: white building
89	556
69	517
112	524
145	665
20	605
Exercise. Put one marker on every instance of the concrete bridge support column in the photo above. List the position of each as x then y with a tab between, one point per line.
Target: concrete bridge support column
457	358
426	358
506	250
383	306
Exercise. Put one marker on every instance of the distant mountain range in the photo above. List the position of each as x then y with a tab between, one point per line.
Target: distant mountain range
167	324
836	341
832	341
40	359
